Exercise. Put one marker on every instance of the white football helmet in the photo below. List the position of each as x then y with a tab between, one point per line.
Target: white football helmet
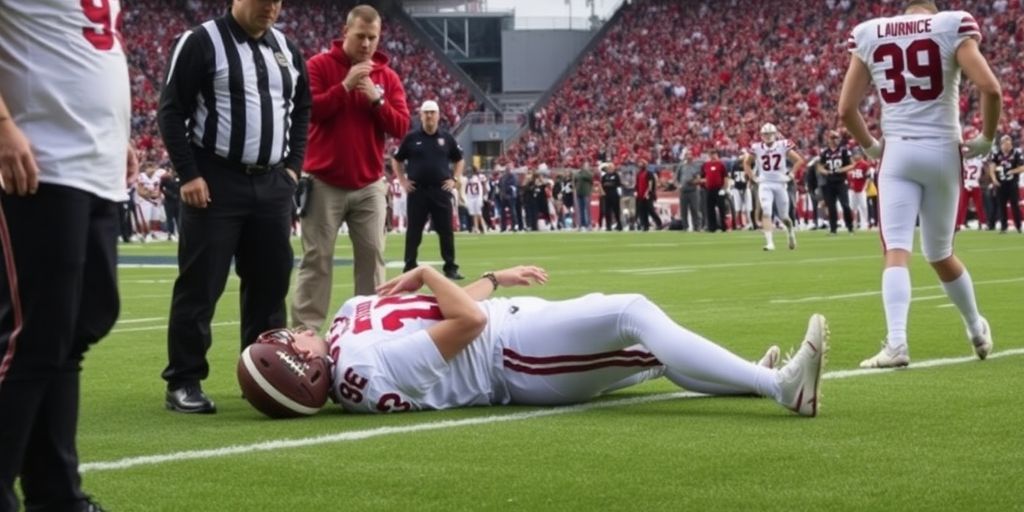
769	132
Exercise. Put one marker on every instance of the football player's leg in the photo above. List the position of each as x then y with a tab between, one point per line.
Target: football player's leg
938	223
766	198
570	351
561	352
899	204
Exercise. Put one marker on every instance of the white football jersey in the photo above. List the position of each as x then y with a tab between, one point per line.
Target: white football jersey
770	160
65	81
912	60
386	361
395	188
475	188
973	168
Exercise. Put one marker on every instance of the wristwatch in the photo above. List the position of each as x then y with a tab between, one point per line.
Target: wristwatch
490	277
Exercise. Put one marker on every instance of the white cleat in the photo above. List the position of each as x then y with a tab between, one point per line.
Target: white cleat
888	357
771	357
800	379
791	237
982	341
768	247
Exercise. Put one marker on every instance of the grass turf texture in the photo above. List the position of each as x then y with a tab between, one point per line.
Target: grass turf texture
936	438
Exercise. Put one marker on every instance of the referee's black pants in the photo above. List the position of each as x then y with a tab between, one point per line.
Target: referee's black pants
1008	196
58	296
612	213
833	192
248	219
436	203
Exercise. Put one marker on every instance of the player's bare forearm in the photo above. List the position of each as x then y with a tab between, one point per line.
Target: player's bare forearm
855	86
479	290
974	65
463	319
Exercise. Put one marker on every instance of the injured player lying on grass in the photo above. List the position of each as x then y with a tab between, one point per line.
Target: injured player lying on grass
402	351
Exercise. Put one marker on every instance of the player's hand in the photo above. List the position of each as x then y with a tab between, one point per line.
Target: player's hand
368	89
874	151
523	275
408	282
356	74
18	170
977	146
132	169
448	185
195	193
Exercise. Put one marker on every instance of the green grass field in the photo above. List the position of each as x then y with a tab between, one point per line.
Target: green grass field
943	437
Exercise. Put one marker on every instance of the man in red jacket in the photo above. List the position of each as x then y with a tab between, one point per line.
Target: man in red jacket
357	100
715	176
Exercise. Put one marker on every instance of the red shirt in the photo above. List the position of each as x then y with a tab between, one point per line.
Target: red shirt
714	174
346	132
858	176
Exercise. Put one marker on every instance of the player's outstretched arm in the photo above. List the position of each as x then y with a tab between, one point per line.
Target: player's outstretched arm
855	86
746	168
974	65
523	275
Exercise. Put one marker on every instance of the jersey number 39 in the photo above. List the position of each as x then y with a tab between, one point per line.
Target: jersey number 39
910	60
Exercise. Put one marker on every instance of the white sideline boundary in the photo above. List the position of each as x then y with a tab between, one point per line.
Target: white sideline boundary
358	435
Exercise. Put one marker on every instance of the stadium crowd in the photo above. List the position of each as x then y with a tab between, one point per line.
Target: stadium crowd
670	75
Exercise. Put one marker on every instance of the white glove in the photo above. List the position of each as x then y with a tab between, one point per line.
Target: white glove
874	151
977	146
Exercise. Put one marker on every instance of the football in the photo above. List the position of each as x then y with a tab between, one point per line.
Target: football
280	383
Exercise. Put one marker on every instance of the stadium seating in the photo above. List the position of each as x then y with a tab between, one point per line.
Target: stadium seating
694	73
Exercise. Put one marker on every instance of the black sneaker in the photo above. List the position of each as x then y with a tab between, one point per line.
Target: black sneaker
189	399
454	275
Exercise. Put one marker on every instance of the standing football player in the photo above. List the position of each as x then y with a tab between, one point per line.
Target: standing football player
834	165
1004	169
971	191
915	60
65	122
771	156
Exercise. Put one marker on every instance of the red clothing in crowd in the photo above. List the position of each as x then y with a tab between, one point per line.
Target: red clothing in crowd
346	132
714	174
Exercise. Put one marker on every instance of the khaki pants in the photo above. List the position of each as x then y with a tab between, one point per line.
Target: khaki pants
364	210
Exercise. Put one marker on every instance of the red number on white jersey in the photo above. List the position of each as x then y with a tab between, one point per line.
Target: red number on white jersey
98	12
911	61
394	319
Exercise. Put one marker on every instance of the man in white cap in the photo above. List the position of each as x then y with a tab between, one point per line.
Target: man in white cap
429	166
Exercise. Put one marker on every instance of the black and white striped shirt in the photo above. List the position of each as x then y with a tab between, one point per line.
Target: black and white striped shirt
246	100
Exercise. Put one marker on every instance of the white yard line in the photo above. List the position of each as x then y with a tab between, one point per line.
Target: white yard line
358	435
692	268
857	295
164	327
141	320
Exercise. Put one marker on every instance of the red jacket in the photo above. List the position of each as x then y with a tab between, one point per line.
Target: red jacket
714	174
346	132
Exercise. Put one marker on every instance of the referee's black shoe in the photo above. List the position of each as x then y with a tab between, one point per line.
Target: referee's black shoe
454	275
189	399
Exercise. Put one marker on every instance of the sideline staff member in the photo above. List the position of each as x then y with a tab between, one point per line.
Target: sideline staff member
63	143
427	153
357	100
233	114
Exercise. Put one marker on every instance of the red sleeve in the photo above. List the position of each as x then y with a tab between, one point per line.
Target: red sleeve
328	98
393	115
969	28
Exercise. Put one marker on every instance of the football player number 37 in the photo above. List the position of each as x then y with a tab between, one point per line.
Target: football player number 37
104	29
922	59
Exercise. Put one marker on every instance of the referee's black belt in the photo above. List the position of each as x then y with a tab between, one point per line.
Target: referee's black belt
247	169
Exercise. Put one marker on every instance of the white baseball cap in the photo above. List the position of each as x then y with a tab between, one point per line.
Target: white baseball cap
429	106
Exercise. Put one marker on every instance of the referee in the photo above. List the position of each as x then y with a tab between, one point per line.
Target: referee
233	114
422	164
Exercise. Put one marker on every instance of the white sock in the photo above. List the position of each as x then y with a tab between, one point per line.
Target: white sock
961	292
692	356
768	239
896	298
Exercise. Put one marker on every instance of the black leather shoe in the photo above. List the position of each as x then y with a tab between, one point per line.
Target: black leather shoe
189	399
454	275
